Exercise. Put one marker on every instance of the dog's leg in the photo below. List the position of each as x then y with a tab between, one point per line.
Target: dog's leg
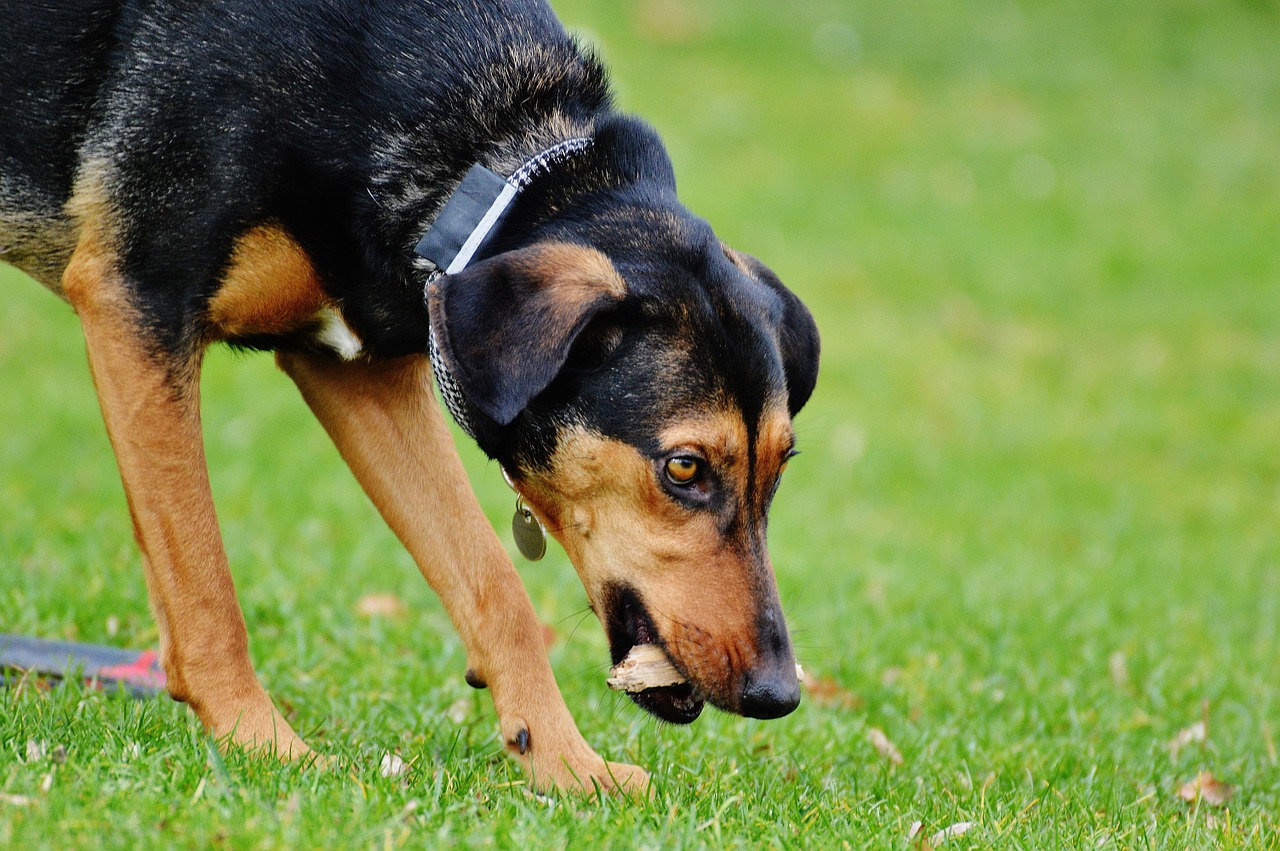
151	404
389	428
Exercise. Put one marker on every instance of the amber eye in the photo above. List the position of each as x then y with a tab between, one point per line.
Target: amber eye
683	470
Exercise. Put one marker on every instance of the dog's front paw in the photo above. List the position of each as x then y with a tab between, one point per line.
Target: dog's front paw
563	761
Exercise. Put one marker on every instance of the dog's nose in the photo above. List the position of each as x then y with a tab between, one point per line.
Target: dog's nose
770	693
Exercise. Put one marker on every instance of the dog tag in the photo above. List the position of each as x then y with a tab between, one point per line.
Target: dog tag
526	528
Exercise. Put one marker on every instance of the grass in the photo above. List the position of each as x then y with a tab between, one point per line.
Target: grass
1032	537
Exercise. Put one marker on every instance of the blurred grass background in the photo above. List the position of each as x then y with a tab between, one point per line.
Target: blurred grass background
1032	535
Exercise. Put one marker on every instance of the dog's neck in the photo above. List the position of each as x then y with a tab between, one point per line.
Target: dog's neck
472	214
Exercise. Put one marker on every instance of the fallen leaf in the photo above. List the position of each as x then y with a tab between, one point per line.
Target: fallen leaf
883	746
829	693
1119	667
380	606
1206	788
35	750
1186	736
459	710
960	828
393	765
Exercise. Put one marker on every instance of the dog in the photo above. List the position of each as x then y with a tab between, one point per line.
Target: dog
387	194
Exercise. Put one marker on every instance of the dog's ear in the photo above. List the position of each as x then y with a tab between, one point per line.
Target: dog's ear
505	326
797	332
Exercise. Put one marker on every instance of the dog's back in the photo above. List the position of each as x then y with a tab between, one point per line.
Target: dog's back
186	104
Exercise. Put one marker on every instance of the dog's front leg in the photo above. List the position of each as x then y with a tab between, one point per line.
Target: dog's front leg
392	433
151	404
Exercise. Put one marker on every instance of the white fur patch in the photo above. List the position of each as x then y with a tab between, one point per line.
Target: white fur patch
337	334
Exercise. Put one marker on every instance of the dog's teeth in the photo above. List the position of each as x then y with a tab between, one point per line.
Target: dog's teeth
645	667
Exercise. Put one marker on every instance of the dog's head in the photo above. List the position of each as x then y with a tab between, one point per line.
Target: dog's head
637	379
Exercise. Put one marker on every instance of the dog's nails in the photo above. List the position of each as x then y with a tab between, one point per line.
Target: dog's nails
521	741
475	680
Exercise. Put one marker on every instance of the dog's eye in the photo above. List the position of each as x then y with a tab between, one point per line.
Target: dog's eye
683	470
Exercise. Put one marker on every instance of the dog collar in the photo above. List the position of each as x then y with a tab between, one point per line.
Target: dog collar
471	215
475	210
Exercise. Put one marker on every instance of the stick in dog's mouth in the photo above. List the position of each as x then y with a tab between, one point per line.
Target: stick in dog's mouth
648	666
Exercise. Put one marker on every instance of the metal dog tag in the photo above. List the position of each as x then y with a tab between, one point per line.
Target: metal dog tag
526	528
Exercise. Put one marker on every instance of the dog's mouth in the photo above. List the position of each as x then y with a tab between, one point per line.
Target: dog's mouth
628	625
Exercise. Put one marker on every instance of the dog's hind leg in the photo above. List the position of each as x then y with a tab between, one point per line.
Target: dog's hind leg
392	433
151	404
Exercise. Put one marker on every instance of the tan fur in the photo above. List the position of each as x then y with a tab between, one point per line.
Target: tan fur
385	421
602	501
271	286
576	273
151	410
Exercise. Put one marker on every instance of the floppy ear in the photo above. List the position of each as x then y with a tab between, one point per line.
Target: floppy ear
797	332
505	325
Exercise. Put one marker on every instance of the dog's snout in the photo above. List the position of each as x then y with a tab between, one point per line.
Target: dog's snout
770	693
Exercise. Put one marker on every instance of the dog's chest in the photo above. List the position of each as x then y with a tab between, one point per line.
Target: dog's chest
272	289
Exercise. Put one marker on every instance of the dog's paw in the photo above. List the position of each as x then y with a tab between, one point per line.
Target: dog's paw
590	777
566	763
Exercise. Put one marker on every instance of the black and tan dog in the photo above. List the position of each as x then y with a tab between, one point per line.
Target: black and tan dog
260	172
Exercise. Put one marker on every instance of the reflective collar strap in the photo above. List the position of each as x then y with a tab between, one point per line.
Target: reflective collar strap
477	207
471	214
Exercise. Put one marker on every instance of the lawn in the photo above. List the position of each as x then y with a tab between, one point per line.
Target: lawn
1033	539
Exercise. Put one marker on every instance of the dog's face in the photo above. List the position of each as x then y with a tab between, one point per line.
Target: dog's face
637	379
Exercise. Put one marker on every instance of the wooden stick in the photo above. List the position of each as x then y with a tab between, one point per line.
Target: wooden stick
646	667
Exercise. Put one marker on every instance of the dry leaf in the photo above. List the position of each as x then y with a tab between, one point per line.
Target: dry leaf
1206	788
1119	668
883	746
459	710
380	606
35	750
393	766
827	692
960	828
1187	736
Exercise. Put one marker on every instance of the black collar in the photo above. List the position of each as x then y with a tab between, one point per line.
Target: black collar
475	210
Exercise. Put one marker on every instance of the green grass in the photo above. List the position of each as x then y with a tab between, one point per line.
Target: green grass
1035	529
